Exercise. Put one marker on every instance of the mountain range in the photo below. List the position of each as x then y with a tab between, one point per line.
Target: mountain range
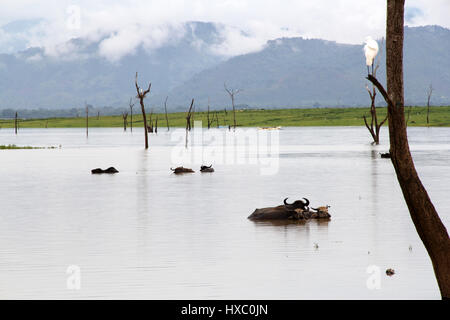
286	72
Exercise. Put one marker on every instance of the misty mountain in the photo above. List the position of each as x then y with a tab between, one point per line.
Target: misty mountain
297	72
287	72
33	79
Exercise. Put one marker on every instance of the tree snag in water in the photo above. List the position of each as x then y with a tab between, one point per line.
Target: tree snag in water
429	93
87	119
165	110
131	113
374	127
16	123
188	121
429	226
141	95
232	93
125	116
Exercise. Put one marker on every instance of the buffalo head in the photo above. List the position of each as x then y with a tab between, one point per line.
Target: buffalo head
298	204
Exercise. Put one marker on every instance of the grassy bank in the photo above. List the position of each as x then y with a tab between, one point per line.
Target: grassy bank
439	117
14	147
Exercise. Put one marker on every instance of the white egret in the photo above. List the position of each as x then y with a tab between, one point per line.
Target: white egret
370	50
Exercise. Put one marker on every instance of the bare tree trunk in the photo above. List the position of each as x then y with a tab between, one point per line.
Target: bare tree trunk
156	125
98	115
232	93
15	123
165	110
141	95
131	114
429	93
429	226
125	116
374	127
87	121
207	116
234	113
188	121
188	117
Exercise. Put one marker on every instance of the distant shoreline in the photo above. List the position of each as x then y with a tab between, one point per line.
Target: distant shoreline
439	117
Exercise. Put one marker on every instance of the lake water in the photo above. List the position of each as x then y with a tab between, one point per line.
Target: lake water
146	233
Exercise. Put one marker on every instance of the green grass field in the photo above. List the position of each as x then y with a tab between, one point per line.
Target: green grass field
439	117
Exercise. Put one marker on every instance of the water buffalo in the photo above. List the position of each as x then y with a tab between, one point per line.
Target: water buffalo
179	170
298	210
299	204
206	169
109	170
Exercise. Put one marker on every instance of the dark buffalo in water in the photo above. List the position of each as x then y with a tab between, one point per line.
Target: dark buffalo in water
297	210
299	204
179	170
206	169
110	170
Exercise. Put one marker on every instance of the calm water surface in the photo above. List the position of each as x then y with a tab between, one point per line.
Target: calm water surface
146	233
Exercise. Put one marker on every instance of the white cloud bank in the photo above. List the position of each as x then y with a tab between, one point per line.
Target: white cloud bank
123	26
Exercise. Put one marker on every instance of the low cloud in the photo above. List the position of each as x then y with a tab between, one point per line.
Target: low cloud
123	26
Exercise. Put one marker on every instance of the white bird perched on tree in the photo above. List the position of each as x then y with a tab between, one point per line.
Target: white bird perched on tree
370	50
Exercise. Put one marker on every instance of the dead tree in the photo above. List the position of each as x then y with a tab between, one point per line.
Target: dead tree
16	123
87	119
429	226
429	93
188	116
125	116
232	93
207	116
141	95
131	113
165	110
188	121
98	115
374	127
156	125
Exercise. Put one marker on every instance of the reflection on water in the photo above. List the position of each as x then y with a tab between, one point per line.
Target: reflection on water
146	233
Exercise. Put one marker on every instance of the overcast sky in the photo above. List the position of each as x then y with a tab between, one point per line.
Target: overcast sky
130	23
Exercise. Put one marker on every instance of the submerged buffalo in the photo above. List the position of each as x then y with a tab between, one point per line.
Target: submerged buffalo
109	170
206	169
179	170
299	204
297	210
